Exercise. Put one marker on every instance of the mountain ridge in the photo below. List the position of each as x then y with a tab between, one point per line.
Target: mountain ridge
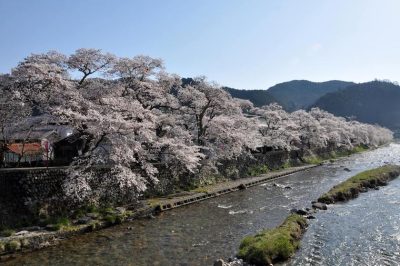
369	102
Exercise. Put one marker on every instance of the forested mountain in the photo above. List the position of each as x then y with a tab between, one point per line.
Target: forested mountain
292	95
371	102
375	102
257	97
299	94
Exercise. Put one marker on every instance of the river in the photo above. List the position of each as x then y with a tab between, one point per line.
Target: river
362	232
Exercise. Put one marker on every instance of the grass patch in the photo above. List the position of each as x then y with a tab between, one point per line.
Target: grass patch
353	186
7	232
114	218
359	149
313	160
13	246
258	170
204	183
58	223
287	165
63	221
94	225
274	245
110	218
200	190
154	202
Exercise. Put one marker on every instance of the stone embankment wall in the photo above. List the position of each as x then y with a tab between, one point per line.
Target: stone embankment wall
21	190
27	192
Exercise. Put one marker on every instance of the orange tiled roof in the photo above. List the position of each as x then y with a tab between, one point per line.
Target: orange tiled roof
28	148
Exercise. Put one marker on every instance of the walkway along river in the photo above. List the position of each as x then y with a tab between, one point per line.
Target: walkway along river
200	233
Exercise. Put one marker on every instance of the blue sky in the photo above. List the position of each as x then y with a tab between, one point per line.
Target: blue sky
247	44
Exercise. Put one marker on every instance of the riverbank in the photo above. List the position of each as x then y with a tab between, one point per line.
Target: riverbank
352	187
36	237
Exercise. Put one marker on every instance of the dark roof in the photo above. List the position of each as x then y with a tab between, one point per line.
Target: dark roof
38	128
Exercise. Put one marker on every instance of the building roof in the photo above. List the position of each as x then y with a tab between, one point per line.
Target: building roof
38	128
54	132
28	148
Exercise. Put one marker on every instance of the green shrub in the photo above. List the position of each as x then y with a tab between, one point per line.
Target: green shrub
64	221
286	165
94	225
54	227
57	223
110	218
258	170
313	159
359	148
107	211
7	232
79	213
13	246
119	219
24	242
91	208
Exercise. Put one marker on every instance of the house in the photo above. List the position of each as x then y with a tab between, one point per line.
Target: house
41	144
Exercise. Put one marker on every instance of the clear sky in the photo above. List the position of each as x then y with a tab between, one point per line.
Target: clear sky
247	44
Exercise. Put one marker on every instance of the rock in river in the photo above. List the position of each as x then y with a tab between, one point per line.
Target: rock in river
230	262
319	205
299	211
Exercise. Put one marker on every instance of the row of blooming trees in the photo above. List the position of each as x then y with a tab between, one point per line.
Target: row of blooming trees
135	117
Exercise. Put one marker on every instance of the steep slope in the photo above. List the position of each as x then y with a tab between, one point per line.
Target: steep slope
372	102
299	94
257	97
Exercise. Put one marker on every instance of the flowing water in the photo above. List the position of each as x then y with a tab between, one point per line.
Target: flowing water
364	231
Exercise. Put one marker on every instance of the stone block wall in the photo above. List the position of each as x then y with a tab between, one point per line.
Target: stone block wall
23	190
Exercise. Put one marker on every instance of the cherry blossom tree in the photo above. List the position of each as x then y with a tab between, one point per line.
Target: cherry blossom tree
39	78
216	120
135	118
123	129
337	129
276	128
13	114
89	62
312	134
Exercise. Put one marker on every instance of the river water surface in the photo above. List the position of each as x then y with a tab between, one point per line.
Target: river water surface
365	231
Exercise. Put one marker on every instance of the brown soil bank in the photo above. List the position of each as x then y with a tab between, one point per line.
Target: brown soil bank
361	182
274	245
